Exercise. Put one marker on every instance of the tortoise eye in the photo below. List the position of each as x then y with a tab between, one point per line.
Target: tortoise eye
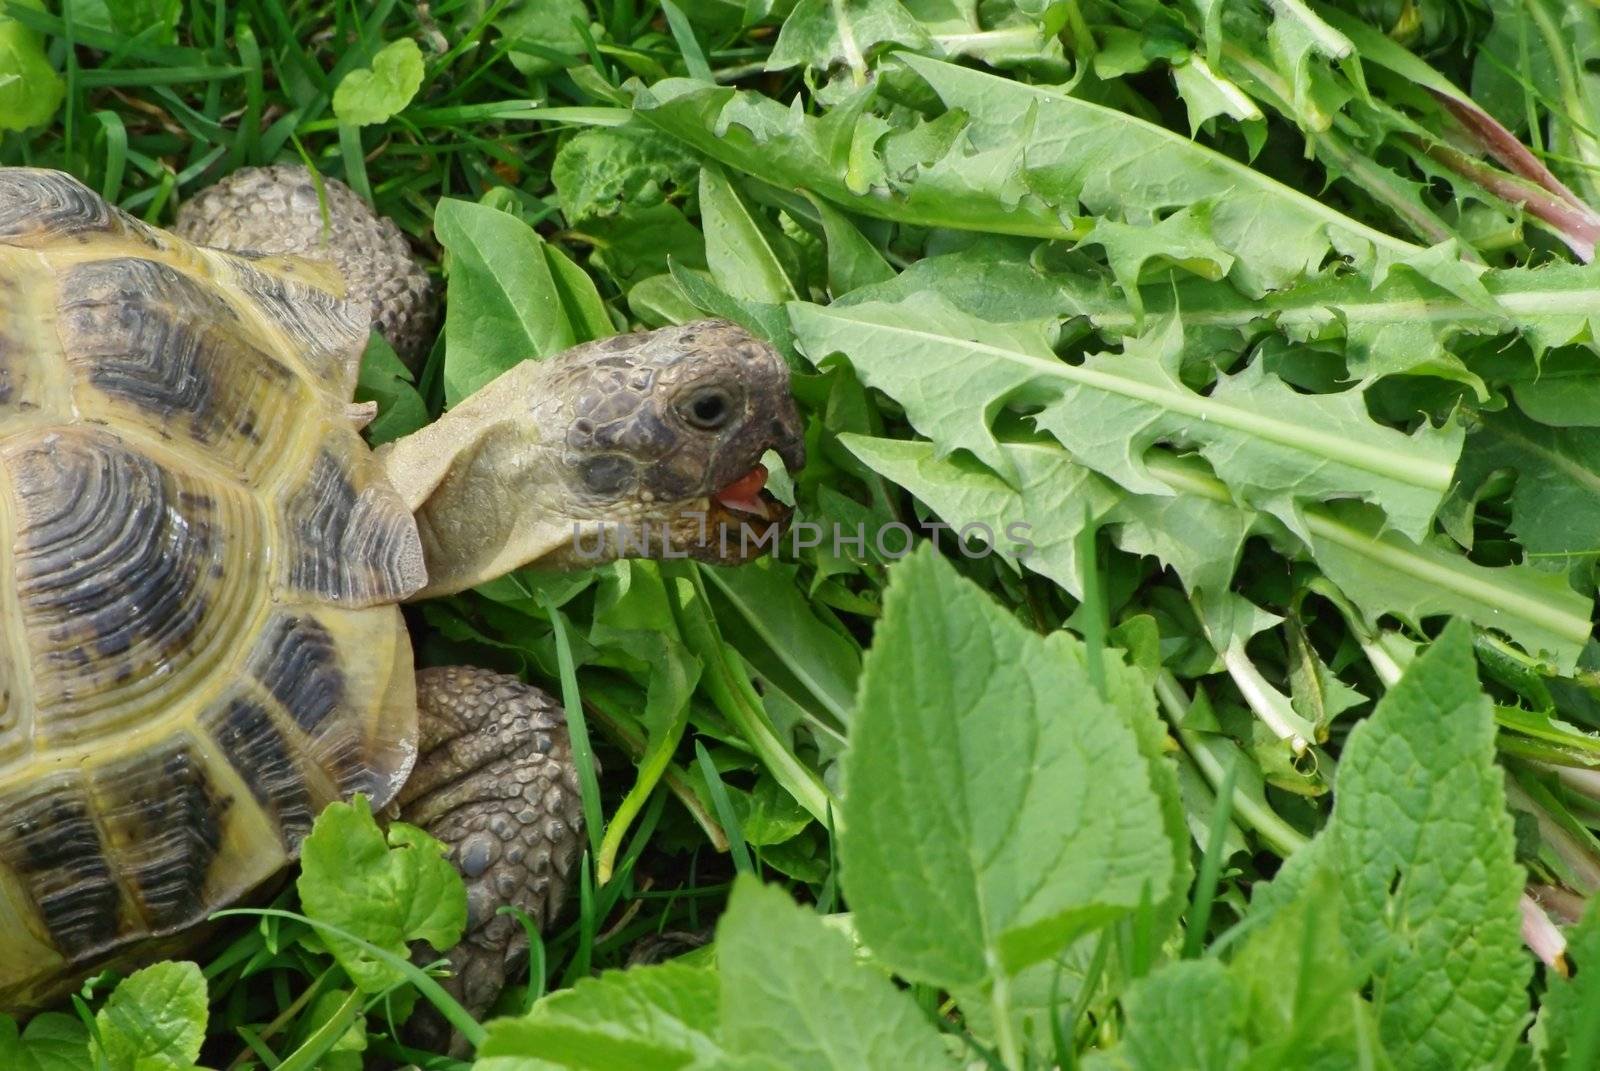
709	408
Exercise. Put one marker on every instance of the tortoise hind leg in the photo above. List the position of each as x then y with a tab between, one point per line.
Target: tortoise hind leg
494	781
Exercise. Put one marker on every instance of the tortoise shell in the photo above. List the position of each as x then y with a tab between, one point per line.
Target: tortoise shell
199	642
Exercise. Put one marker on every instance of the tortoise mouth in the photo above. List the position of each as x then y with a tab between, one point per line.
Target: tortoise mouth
734	536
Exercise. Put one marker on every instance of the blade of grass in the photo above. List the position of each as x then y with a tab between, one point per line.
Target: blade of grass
730	821
577	728
694	57
1205	886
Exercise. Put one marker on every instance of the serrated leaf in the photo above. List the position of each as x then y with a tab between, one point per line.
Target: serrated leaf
1084	157
794	993
154	1016
1273	447
377	93
1555	505
836	156
1030	525
1007	871
1406	324
1182	239
387	888
1383	572
1206	94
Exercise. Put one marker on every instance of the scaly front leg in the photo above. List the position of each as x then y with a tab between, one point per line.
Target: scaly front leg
494	781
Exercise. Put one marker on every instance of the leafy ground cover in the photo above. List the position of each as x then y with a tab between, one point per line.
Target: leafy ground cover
1234	367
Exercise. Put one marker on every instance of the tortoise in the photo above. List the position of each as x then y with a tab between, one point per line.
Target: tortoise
201	640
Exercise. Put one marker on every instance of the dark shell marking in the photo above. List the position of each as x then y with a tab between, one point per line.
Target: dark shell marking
116	562
50	840
161	807
329	333
40	208
295	661
243	729
349	543
151	337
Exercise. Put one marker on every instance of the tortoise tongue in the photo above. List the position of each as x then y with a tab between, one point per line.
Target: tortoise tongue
744	494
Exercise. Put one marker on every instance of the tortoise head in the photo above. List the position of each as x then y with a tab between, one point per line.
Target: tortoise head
637	445
661	441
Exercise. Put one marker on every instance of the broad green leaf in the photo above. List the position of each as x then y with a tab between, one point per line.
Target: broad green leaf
386	380
30	89
1422	847
1301	980
581	303
155	1016
503	305
544	35
1289	998
660	1018
824	33
377	93
388	890
1006	871
768	619
659	301
794	993
761	319
638	243
1274	447
1189	1014
740	248
53	1041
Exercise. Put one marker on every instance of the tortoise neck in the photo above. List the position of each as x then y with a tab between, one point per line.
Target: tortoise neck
479	482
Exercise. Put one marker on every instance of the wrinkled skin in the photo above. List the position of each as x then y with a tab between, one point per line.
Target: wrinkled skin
626	440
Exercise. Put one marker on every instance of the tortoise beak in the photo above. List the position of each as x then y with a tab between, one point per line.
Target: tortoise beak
788	436
793	452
